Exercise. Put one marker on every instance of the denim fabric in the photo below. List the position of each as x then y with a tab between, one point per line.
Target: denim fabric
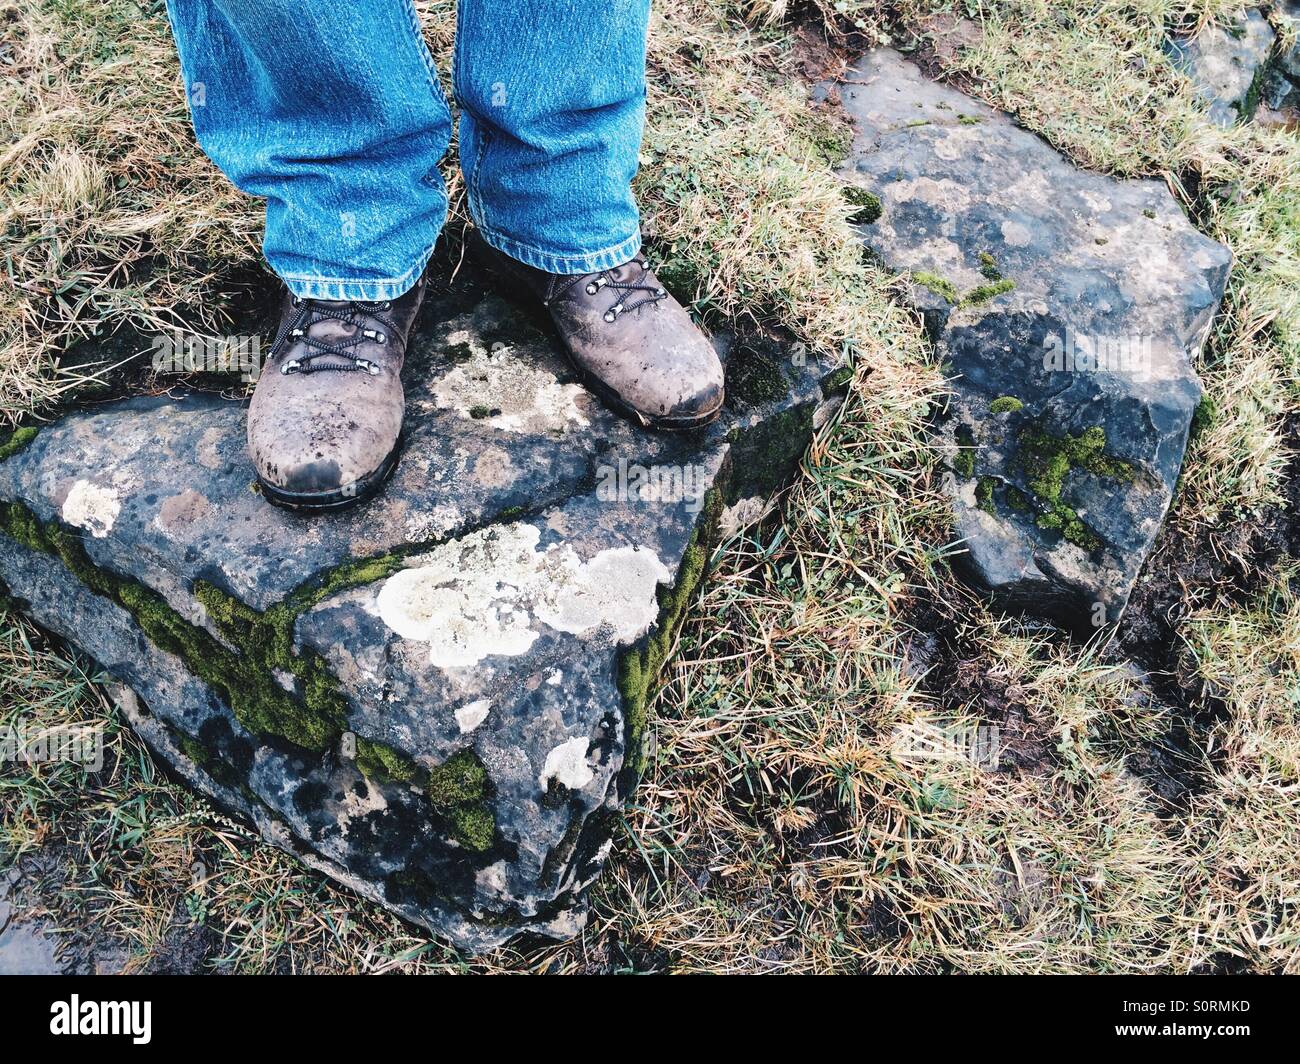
333	113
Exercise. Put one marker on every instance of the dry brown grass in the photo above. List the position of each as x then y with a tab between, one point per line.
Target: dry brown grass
110	218
1240	897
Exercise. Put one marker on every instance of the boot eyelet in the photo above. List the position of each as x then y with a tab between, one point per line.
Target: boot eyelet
295	332
592	289
610	316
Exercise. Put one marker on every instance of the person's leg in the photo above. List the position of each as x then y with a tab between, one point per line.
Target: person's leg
333	114
552	94
553	102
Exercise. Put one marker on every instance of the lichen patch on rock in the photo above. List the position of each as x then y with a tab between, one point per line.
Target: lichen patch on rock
91	507
503	391
181	510
472	714
484	595
567	765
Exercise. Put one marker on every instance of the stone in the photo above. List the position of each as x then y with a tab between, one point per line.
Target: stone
438	697
1282	83
1288	59
1226	65
1279	93
1067	308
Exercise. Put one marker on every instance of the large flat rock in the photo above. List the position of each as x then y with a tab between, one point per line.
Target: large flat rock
437	697
1067	307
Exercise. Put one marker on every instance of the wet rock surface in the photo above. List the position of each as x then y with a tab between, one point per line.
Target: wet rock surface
1227	65
1067	307
438	697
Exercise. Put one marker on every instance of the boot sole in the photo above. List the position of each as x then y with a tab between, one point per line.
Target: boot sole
590	381
338	498
615	402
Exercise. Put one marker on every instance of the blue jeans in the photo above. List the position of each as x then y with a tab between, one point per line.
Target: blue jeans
332	112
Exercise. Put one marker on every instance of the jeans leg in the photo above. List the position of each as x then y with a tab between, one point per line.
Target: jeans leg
552	96
333	114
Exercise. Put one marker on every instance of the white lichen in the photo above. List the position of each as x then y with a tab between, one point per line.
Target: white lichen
492	880
484	595
471	715
517	396
567	764
91	507
432	523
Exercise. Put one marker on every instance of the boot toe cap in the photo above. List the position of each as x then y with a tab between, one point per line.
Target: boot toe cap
325	455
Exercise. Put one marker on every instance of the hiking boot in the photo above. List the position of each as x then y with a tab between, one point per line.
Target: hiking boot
633	343
326	418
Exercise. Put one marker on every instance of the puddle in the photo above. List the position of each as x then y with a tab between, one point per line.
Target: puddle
24	949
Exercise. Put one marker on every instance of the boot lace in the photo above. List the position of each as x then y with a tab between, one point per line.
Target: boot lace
359	313
630	294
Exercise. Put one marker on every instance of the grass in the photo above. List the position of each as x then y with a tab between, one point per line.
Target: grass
1142	817
110	218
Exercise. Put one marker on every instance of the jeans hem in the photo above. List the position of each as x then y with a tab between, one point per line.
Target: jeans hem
342	289
589	262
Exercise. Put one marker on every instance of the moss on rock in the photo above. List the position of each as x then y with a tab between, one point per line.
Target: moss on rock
459	790
1072	527
242	677
381	762
17	440
986	292
313	720
940	286
963	462
837	380
1046	460
639	668
869	207
753	378
473	826
245	677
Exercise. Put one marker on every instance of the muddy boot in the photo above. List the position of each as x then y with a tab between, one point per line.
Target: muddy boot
326	417
633	343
